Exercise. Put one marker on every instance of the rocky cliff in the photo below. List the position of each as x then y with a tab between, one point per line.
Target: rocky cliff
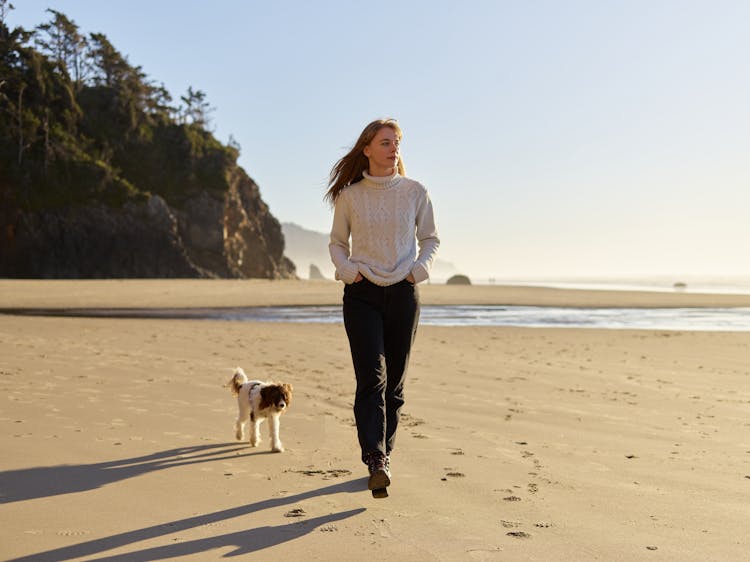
210	234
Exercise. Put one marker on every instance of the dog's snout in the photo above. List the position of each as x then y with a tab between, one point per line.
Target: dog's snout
282	405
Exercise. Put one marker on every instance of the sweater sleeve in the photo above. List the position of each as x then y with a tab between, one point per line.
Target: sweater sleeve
338	247
427	239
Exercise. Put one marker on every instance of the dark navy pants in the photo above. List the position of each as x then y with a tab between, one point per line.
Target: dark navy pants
381	323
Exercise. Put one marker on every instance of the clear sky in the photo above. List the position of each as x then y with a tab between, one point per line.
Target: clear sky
556	137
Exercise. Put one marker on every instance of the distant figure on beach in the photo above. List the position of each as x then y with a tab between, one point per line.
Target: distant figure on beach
386	215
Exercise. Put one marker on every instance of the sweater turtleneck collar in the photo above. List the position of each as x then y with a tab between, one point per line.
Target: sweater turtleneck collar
382	182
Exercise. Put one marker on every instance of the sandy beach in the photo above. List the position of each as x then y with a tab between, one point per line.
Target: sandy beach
515	443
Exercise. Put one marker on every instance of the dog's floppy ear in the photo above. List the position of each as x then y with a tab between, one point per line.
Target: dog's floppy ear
287	391
233	386
266	397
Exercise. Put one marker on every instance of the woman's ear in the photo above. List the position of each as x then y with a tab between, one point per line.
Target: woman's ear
366	151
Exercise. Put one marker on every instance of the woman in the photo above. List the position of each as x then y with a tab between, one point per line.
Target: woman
386	214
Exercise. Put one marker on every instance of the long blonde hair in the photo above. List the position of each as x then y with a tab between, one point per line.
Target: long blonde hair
349	169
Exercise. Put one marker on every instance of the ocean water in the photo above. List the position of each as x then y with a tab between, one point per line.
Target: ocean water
690	319
699	319
737	285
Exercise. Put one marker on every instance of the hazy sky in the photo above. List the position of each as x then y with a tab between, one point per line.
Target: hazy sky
556	138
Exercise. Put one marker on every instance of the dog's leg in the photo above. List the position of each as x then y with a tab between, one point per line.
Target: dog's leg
273	430
239	429
242	416
255	431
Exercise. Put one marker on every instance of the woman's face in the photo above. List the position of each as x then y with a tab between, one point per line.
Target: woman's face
383	152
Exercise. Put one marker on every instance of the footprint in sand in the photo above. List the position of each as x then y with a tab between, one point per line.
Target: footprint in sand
326	474
519	534
71	533
382	527
411	421
481	553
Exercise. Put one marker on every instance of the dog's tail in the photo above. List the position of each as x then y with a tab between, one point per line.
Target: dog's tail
238	379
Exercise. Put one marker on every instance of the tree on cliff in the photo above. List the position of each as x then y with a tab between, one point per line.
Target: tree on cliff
61	41
83	122
197	108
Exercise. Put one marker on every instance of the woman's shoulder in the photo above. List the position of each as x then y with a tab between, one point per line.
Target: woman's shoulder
411	183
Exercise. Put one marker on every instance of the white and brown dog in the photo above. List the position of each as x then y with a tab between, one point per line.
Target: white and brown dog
258	400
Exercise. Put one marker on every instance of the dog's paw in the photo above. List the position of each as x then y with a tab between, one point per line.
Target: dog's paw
239	436
277	448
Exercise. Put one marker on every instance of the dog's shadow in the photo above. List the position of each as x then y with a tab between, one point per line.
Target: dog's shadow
44	481
244	542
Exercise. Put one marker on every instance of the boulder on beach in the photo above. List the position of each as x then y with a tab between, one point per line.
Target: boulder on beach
458	280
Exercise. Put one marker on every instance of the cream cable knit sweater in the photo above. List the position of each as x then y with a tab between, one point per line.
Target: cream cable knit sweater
382	215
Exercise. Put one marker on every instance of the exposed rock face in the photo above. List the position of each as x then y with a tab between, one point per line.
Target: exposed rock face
253	241
230	234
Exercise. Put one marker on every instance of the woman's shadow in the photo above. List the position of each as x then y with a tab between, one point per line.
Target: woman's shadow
244	542
44	481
